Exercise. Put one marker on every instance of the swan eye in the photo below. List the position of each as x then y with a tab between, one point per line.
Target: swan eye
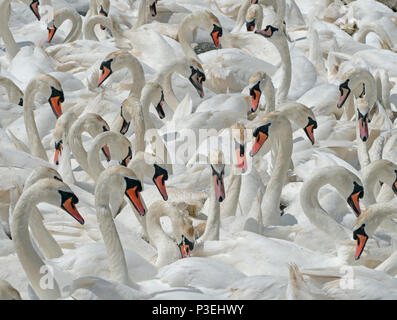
20	102
255	88
106	64
58	178
105	129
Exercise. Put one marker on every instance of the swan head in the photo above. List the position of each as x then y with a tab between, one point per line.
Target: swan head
302	116
262	130
149	165
113	62
153	8
51	88
257	84
268	31
238	136
132	190
196	76
183	229
252	14
362	117
57	193
217	173
41	173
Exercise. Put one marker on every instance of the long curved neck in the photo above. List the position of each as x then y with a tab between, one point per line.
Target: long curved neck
167	250
214	217
65	165
383	89
164	78
142	14
114	249
270	96
186	27
50	247
13	92
135	67
76	144
139	128
313	210
89	27
233	188
5	32
283	89
271	200
34	266
362	33
64	14
34	140
366	78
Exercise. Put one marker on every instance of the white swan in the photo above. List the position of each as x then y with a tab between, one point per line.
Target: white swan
62	15
46	190
15	95
51	88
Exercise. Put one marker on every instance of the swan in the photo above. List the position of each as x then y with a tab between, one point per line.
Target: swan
62	15
278	129
363	31
62	149
5	33
51	88
275	36
367	223
119	60
45	190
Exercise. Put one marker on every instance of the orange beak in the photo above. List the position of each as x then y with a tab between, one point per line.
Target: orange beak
241	161
185	250
362	239
135	199
55	104
51	33
160	184
255	100
34	6
343	97
69	206
354	203
310	132
260	140
106	152
105	74
363	125
215	38
58	153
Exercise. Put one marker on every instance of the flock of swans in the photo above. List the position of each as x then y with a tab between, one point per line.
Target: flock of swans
110	190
